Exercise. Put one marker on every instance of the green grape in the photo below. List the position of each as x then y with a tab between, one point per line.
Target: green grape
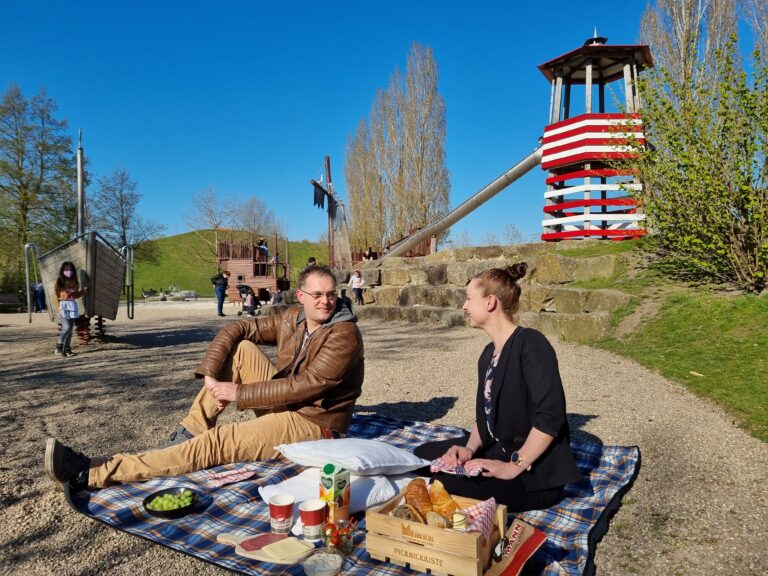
172	501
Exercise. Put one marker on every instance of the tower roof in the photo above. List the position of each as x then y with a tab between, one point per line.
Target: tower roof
607	61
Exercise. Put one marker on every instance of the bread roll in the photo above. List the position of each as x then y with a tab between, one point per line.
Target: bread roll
436	520
442	503
416	495
408	512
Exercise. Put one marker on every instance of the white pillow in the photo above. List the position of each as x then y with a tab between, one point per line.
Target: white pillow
365	491
358	455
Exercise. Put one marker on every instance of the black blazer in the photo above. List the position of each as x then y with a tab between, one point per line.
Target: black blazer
526	392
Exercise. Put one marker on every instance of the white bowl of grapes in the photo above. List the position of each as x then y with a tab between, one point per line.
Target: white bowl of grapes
171	502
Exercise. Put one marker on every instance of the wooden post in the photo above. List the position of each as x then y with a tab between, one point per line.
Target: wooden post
558	96
551	101
629	100
330	219
588	87
601	95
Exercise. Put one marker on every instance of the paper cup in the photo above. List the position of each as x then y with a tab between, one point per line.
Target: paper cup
281	513
312	518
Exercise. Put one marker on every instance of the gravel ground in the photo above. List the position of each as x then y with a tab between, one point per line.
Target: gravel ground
699	505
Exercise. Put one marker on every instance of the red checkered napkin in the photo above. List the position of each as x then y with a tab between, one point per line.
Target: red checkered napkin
480	517
439	465
231	476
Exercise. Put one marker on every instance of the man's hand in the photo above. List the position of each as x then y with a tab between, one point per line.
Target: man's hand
224	392
457	455
496	468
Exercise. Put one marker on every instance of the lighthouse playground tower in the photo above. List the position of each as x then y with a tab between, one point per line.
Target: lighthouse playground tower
586	193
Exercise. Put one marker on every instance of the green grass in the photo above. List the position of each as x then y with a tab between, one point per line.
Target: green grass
724	339
603	248
176	260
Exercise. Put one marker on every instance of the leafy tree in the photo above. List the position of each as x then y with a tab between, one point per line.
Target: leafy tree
112	211
705	176
37	176
395	164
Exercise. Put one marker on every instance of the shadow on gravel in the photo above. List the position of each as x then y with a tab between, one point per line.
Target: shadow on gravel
576	422
166	337
434	409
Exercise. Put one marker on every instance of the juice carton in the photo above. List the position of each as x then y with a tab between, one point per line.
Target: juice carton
335	488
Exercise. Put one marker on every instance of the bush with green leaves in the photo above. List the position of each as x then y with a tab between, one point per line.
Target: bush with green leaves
704	172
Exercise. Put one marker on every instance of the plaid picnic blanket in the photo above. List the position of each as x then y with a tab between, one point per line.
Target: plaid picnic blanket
573	527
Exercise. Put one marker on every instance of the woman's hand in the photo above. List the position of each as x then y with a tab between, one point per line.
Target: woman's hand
496	468
457	455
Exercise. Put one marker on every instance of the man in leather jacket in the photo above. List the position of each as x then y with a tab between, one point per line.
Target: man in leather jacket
308	395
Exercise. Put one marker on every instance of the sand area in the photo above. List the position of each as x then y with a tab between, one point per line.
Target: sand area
699	505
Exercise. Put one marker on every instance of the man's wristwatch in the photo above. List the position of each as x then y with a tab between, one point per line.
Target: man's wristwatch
517	460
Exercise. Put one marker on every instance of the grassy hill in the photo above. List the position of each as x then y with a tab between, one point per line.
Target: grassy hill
710	339
182	261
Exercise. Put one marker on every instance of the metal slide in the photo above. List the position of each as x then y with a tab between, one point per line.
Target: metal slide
480	198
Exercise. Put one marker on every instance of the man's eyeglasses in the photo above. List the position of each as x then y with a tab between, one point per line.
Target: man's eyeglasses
317	296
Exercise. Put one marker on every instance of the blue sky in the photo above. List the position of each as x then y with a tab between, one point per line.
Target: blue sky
248	97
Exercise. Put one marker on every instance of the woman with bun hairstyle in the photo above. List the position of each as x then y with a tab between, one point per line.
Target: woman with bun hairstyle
66	291
520	438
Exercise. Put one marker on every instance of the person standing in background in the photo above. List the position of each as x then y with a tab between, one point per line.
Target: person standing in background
356	282
220	283
39	292
67	290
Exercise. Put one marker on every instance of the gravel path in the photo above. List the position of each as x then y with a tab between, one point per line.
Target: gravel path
700	504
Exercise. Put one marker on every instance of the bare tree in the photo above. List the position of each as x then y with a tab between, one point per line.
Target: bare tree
683	34
210	220
254	217
112	211
512	234
395	165
756	12
426	185
460	239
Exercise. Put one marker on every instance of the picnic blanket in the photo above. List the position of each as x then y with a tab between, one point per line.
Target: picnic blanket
573	527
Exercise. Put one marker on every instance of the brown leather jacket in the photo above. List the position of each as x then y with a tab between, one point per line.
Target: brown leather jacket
320	382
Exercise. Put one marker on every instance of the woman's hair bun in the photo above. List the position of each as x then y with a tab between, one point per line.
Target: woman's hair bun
517	271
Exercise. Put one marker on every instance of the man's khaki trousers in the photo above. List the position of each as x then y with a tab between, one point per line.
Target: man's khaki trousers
214	445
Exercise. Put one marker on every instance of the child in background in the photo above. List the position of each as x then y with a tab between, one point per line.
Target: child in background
356	282
66	291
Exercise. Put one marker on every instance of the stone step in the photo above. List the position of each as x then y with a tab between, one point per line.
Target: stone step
534	298
432	314
545	268
568	327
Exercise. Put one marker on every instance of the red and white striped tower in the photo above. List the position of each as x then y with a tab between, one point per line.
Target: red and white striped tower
586	196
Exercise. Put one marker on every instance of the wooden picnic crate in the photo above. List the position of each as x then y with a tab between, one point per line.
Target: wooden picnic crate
424	548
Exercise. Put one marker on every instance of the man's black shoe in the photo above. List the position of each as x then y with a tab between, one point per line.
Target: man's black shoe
65	465
221	315
178	436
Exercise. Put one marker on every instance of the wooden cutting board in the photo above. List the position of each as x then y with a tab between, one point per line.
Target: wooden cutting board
236	539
